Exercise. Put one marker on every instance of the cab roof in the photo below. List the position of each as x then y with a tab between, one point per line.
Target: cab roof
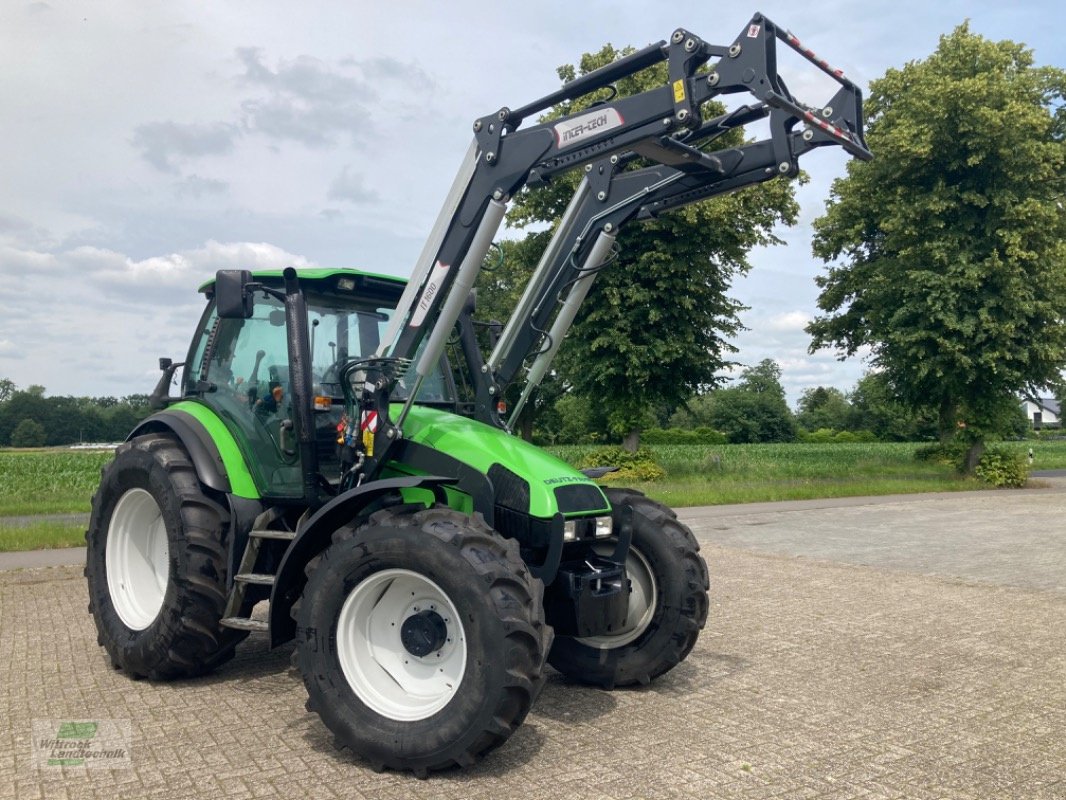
315	274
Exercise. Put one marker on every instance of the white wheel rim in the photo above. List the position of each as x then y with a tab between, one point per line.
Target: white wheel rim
378	667
137	559
642	601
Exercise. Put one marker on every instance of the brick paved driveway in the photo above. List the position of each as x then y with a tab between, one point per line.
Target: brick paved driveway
833	666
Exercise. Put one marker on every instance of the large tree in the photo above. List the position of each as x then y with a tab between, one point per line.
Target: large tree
655	326
753	410
824	407
948	251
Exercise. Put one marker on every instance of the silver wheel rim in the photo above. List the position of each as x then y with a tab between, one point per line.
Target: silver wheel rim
642	601
383	674
137	559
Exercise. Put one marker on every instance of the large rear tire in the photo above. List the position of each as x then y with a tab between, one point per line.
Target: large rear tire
421	639
667	605
156	564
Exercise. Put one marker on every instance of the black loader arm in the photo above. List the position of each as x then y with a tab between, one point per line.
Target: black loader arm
664	127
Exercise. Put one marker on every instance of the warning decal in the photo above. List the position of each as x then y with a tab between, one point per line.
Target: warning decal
369	421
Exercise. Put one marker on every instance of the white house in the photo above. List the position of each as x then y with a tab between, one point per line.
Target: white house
1042	411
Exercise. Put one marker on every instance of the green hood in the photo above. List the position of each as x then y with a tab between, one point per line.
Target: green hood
481	446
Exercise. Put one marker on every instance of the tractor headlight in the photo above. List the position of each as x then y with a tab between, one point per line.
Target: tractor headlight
570	530
604	527
586	528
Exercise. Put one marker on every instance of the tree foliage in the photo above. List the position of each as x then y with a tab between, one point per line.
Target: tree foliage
67	420
754	410
948	251
28	433
656	324
875	408
824	408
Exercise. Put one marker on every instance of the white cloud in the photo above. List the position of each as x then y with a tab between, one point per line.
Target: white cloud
115	314
790	321
16	262
164	277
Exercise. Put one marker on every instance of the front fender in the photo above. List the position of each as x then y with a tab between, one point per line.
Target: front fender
314	536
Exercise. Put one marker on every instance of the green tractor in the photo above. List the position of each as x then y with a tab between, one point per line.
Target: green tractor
339	447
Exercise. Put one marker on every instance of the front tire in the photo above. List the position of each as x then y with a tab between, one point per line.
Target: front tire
421	639
667	605
156	564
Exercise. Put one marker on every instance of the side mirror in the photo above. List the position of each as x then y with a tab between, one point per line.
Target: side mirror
232	297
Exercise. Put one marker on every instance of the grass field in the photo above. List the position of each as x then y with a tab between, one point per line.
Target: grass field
48	481
38	482
41	536
717	474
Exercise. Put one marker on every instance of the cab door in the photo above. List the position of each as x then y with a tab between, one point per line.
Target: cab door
246	381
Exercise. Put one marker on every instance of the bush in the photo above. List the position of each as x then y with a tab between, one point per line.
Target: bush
1046	433
865	437
701	435
638	466
709	436
1003	468
819	436
824	435
952	454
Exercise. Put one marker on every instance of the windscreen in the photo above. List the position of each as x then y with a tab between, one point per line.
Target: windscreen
344	330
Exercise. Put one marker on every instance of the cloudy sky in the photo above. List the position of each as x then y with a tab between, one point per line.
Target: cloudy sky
148	144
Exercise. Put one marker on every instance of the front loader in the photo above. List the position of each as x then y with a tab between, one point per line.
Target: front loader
427	563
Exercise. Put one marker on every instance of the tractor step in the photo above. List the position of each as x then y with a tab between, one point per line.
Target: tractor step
255	577
244	624
287	536
261	536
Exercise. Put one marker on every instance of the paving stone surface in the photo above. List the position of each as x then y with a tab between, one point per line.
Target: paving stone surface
910	676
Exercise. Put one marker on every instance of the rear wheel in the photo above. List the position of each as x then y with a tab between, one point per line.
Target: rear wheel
156	564
667	603
422	639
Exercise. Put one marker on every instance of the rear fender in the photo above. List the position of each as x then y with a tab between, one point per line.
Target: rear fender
226	475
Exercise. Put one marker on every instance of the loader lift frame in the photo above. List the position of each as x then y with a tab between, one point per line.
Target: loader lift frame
661	125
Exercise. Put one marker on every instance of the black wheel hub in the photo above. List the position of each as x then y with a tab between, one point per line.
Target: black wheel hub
424	632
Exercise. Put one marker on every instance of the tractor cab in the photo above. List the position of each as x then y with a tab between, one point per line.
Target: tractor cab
240	367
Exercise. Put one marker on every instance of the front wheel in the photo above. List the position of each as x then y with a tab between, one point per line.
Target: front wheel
667	602
422	639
